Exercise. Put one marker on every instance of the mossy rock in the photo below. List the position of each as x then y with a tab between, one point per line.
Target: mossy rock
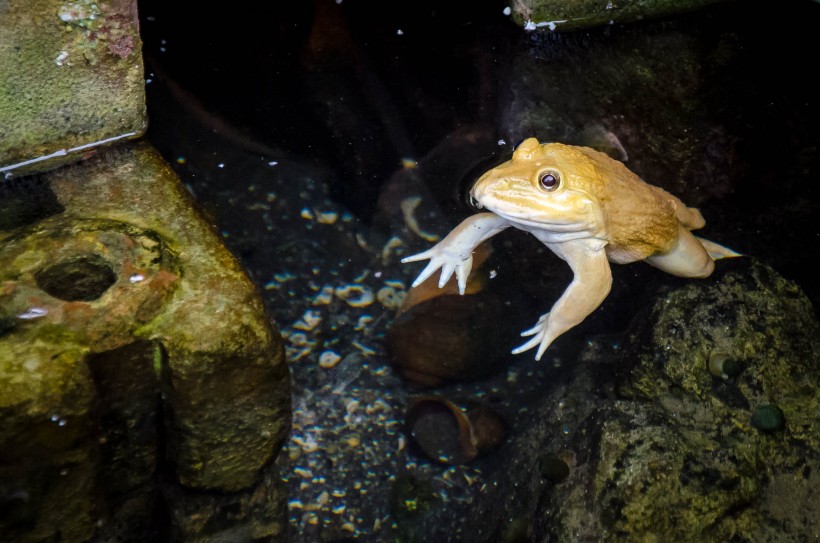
136	359
72	79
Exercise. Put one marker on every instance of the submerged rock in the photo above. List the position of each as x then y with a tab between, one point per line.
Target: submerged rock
451	434
561	15
662	449
137	362
72	80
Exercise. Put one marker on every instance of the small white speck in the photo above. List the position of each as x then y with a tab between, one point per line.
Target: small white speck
33	313
162	49
220	165
507	10
400	32
529	25
136	278
61	58
493	274
273	163
609	5
502	142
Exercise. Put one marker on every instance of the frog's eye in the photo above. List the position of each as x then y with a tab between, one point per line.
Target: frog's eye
549	180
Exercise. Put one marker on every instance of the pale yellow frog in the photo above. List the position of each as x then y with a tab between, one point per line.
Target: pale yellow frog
589	209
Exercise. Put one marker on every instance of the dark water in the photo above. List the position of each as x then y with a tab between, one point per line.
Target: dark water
293	124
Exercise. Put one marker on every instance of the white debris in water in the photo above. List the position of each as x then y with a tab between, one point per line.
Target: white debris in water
507	10
136	278
33	313
60	60
530	26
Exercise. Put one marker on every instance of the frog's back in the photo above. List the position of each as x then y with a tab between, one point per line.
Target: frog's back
640	219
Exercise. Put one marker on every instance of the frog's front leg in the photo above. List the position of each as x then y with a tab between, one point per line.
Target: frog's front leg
589	287
455	252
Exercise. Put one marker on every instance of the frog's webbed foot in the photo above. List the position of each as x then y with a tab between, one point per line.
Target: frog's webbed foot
454	254
540	339
447	262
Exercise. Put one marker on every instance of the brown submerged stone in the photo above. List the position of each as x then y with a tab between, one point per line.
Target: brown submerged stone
130	335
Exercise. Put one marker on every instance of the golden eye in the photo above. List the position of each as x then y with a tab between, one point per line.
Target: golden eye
549	180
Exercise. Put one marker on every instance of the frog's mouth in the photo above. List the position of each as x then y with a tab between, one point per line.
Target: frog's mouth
515	201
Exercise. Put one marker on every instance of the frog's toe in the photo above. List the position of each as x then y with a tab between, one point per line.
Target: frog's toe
447	270
424	255
429	270
539	326
528	345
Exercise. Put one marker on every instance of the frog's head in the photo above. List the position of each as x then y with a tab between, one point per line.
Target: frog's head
542	186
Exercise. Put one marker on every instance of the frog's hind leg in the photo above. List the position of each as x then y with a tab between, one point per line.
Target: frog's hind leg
690	217
688	257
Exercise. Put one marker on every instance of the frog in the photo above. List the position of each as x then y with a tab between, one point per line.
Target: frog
590	210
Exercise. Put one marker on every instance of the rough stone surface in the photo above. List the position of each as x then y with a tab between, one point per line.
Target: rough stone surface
71	77
563	15
622	91
151	367
658	448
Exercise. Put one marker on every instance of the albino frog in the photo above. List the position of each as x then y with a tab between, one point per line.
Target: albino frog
589	209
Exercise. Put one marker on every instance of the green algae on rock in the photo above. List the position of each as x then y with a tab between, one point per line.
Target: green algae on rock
72	80
682	456
563	15
662	449
150	305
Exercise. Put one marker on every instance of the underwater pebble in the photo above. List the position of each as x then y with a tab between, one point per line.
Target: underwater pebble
300	340
309	320
326	217
722	365
391	244
367	351
355	295
391	298
408	209
324	297
328	359
768	418
364	320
